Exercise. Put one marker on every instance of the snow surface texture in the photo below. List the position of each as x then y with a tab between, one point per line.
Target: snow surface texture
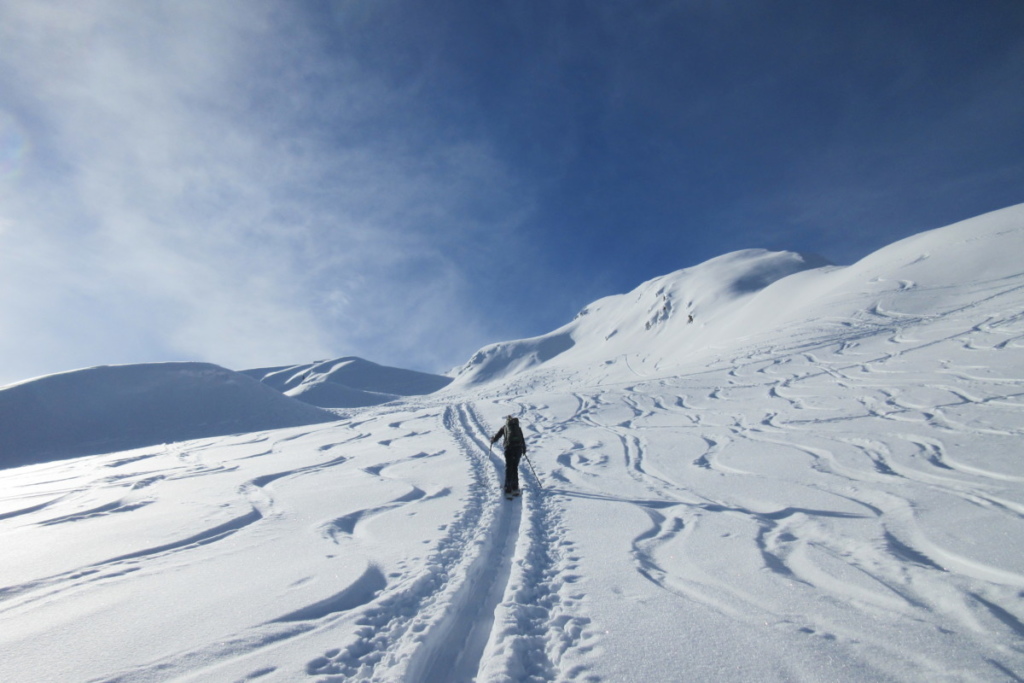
348	382
103	409
819	479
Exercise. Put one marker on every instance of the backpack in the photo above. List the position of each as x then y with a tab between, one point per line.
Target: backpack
513	434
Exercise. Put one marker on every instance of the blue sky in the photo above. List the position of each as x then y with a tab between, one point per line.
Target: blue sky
258	183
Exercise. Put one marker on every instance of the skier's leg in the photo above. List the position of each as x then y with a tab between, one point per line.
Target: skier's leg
515	470
509	472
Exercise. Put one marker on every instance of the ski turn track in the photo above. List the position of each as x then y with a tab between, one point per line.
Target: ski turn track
490	605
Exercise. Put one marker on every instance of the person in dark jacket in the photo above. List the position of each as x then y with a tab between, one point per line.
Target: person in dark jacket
515	447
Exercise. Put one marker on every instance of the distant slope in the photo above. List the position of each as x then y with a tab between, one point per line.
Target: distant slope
654	317
110	408
736	298
347	382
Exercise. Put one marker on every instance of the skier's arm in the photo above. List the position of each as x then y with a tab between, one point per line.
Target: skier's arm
498	435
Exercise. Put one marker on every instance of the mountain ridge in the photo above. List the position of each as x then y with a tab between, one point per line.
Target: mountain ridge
347	382
819	478
120	407
752	292
670	322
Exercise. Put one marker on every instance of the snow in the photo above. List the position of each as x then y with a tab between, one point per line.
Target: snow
102	409
653	317
818	478
348	382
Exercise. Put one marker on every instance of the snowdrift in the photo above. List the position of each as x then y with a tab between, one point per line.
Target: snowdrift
112	408
348	382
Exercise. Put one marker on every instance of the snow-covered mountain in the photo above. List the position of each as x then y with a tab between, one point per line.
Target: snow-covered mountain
348	382
668	318
818	478
113	408
692	315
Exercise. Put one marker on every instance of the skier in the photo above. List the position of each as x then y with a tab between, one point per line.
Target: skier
515	448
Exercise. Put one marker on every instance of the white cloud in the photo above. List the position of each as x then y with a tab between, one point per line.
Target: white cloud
194	192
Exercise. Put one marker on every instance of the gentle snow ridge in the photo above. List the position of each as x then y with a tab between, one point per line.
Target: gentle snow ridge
104	409
111	408
348	382
656	317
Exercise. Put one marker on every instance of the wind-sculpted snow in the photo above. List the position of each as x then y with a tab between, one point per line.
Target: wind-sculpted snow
659	311
837	499
348	382
104	409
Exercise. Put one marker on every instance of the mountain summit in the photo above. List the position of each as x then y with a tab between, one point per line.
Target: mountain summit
669	317
696	315
347	382
112	408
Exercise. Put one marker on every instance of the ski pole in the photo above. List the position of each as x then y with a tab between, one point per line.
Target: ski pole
528	462
490	453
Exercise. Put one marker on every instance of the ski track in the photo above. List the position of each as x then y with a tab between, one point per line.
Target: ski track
894	570
378	649
260	501
541	626
495	599
849	559
313	617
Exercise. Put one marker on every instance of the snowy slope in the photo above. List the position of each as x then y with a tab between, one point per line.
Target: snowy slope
348	382
104	409
743	295
656	317
829	486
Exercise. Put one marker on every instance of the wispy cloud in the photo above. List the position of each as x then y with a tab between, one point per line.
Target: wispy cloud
261	181
206	182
